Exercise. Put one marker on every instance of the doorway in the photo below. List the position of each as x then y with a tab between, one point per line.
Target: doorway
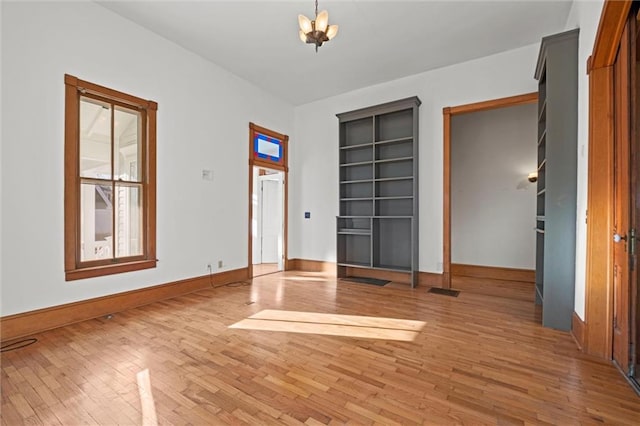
448	114
268	221
268	201
493	153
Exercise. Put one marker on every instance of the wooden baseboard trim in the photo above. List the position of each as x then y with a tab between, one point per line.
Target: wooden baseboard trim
28	323
493	272
308	265
578	330
430	279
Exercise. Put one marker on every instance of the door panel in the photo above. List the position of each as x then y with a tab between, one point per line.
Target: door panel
271	220
622	190
634	323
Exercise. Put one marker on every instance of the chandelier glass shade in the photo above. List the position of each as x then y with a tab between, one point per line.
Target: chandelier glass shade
316	31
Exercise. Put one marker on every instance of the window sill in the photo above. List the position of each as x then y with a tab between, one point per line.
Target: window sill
98	271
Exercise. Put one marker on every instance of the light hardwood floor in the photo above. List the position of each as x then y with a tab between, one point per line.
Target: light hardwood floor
479	359
524	291
264	269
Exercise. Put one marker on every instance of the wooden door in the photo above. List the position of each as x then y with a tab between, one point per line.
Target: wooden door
622	232
634	204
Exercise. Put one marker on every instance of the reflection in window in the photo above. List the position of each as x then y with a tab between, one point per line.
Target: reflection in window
110	144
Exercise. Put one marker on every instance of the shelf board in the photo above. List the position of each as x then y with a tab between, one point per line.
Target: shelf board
354	231
391	160
396	140
539	293
355	264
354	217
542	137
543	111
392	217
544	162
542	191
393	179
540	218
540	231
359	163
404	197
357	199
357	181
379	267
357	146
392	268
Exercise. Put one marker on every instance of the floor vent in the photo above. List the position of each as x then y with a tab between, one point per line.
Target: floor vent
444	291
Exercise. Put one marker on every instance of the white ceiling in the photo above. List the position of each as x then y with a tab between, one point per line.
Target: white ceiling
378	41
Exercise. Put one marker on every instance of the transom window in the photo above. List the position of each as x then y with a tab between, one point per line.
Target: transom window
267	148
110	181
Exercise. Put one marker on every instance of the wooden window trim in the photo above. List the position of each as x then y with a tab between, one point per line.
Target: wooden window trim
282	164
74	268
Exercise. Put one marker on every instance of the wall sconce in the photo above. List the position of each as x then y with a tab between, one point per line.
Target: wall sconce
532	177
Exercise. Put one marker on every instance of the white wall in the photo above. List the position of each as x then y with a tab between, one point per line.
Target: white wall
203	119
493	205
314	165
584	15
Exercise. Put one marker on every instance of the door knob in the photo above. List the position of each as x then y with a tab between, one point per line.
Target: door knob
617	238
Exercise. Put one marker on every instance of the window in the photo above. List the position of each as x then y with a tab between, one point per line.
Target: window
110	184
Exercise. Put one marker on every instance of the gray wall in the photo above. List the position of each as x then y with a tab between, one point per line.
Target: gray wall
492	203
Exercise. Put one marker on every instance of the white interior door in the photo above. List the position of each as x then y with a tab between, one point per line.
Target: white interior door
271	218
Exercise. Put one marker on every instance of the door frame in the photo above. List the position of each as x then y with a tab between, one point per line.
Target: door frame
625	123
261	179
595	332
447	112
282	166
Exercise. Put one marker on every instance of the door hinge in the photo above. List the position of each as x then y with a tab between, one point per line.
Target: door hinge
615	321
632	242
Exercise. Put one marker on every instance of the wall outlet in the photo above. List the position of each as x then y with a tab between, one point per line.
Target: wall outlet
220	264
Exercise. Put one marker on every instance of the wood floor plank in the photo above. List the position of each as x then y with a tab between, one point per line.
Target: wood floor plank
475	359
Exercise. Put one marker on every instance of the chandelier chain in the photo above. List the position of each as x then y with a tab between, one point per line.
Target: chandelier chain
316	8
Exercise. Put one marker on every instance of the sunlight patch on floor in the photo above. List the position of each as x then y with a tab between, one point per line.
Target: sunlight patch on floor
317	279
332	325
149	417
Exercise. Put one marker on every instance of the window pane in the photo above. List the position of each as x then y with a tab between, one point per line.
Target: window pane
96	223
127	125
128	220
267	148
95	138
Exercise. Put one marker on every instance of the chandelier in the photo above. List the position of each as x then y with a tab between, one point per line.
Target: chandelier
317	31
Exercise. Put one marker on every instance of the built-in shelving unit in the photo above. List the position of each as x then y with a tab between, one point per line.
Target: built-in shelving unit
377	227
556	73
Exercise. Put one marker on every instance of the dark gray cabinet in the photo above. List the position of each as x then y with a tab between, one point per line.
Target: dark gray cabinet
557	75
377	227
